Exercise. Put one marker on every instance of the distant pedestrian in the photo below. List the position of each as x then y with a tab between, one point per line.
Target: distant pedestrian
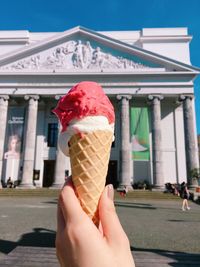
10	183
123	191
175	190
185	196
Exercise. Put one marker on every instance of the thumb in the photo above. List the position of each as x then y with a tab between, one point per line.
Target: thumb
110	223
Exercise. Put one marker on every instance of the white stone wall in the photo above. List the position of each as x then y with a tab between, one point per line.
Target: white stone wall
169	42
168	142
180	144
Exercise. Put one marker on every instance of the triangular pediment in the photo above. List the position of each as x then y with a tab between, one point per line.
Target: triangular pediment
83	50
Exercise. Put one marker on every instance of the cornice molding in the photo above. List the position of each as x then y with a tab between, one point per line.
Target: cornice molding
153	39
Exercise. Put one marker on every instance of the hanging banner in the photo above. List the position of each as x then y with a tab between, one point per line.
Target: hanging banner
12	155
15	130
140	133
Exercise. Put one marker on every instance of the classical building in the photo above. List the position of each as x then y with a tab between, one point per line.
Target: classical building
148	77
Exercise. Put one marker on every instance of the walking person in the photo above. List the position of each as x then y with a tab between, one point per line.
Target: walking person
185	196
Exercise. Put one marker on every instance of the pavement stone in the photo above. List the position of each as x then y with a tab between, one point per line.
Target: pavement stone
157	227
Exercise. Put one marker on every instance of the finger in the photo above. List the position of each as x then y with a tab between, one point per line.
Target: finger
111	226
60	219
70	204
59	233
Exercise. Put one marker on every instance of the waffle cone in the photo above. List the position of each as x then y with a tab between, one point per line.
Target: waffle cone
89	157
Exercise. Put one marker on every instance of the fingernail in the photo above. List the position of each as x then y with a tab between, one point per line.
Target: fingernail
110	191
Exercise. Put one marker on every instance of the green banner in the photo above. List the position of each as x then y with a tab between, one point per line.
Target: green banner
140	133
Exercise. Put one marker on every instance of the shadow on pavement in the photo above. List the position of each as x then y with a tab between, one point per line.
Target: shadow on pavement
7	246
175	259
185	221
55	201
134	205
40	237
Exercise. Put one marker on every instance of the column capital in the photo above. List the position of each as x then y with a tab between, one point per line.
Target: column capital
4	97
34	97
58	97
152	97
128	97
184	97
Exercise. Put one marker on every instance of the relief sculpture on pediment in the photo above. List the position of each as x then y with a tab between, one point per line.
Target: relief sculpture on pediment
74	55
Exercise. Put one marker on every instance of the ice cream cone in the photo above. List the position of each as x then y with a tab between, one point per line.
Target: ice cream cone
87	118
89	157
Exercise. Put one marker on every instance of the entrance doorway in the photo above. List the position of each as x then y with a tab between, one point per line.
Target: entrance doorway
48	176
112	173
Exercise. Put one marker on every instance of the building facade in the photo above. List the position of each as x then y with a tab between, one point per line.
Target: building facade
146	74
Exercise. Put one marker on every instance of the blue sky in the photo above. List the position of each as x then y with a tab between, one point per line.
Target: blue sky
60	15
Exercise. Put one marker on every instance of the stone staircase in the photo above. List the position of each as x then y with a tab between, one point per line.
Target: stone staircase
38	192
47	192
147	194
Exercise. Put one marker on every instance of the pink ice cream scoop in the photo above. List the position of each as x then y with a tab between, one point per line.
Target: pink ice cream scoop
84	99
84	109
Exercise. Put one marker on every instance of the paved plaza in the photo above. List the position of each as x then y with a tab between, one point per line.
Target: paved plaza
158	227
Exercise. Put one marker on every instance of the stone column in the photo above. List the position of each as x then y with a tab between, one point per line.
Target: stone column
3	120
190	135
30	138
60	168
157	141
125	160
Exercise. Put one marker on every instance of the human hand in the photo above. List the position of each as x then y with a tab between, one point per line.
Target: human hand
79	243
